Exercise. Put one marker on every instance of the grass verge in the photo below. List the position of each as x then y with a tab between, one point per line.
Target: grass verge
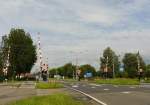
57	99
147	81
48	85
118	81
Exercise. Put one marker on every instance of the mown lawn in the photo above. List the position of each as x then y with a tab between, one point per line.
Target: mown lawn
147	81
48	85
118	81
57	99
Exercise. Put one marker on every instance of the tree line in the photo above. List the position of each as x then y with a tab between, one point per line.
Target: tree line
131	66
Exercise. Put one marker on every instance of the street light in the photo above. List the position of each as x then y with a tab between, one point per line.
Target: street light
113	68
106	68
140	70
75	74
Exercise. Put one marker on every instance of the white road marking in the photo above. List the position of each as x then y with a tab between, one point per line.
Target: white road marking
132	87
95	99
106	89
75	86
127	92
93	87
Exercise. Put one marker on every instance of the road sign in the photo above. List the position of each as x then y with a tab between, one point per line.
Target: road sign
88	75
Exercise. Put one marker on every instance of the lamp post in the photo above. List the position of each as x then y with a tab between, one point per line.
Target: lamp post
76	54
139	67
106	68
113	68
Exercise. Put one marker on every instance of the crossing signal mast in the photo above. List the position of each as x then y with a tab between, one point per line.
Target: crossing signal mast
6	64
39	53
43	66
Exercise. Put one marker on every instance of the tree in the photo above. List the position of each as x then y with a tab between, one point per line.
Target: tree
147	72
3	54
1	64
130	61
87	69
22	52
52	72
110	61
67	70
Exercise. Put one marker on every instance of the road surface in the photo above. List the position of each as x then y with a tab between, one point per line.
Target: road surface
115	95
9	93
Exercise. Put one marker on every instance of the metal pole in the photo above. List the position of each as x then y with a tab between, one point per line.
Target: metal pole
76	67
138	60
106	66
40	55
113	68
73	74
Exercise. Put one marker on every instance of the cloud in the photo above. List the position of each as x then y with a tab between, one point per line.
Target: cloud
80	25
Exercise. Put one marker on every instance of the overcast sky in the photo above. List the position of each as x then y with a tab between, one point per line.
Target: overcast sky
81	28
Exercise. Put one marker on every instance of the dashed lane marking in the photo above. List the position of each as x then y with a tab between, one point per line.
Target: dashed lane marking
132	87
96	85
75	86
106	89
126	92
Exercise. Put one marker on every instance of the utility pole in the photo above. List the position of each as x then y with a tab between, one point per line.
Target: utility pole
76	68
40	56
73	73
113	68
6	66
106	66
139	68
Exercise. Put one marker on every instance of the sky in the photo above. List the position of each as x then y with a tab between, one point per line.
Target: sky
79	30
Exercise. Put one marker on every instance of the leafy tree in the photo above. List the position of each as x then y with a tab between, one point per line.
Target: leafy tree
66	70
111	59
69	69
1	63
87	69
52	72
3	54
131	64
147	72
22	52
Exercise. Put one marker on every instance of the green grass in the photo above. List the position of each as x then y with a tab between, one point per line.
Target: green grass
57	99
147	81
118	81
49	85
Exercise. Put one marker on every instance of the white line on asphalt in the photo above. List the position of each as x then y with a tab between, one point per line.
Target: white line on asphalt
75	86
126	92
95	85
95	99
132	87
106	89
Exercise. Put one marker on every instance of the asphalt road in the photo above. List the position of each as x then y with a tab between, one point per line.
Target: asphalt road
9	93
109	94
115	95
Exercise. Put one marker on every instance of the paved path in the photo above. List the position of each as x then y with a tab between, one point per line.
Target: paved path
9	93
115	95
